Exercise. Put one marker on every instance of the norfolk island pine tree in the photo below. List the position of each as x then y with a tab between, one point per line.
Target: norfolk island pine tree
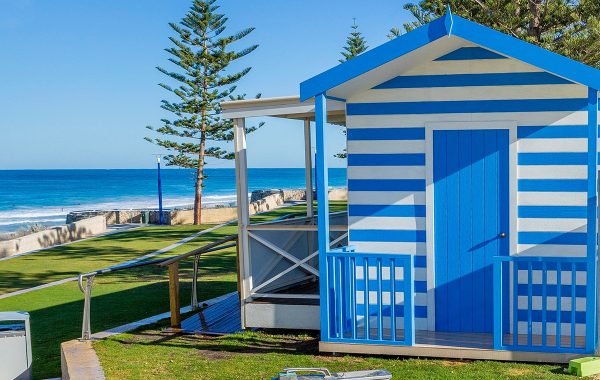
202	56
570	28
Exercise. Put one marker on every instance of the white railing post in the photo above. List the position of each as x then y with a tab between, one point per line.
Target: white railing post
243	211
308	169
86	328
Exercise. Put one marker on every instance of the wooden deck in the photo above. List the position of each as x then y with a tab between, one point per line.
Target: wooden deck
457	346
472	340
220	318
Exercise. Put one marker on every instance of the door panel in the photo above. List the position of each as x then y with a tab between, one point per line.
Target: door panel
470	211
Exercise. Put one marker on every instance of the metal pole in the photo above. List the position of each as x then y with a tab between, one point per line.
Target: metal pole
316	180
308	169
160	208
86	328
194	302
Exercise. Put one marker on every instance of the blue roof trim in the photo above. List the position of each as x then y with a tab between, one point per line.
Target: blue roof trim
372	59
451	24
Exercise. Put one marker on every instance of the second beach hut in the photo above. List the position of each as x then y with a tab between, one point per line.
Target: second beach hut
472	203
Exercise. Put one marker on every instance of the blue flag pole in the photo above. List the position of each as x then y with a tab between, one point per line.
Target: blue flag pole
160	208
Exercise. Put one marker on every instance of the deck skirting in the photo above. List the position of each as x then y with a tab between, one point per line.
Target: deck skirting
449	352
281	316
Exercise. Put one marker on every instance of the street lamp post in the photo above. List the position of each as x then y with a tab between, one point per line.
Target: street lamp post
160	208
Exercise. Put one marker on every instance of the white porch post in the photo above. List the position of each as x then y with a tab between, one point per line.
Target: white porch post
323	210
308	169
241	174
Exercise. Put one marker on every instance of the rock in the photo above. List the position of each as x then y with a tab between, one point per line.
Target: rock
260	194
294	195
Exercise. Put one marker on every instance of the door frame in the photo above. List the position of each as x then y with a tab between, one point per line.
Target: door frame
511	126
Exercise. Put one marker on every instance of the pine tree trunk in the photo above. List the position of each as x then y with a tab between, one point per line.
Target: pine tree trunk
198	198
199	180
536	14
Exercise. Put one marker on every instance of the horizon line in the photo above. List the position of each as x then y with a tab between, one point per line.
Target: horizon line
164	168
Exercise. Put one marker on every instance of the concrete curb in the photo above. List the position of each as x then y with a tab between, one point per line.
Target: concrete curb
79	361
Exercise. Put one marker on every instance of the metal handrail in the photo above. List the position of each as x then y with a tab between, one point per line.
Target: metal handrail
198	251
289	218
89	276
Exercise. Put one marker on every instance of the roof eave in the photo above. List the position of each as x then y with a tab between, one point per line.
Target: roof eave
450	24
287	107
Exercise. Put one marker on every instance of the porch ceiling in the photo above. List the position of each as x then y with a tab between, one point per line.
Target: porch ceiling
286	107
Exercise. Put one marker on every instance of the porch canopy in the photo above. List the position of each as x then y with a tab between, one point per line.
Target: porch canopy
285	107
277	260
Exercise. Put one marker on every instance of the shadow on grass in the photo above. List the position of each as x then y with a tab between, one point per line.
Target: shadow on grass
301	347
289	342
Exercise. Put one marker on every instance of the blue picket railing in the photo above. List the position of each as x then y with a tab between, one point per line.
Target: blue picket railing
542	303
369	298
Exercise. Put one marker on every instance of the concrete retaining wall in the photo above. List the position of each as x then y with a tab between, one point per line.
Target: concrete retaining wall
261	201
338	195
119	216
54	236
218	215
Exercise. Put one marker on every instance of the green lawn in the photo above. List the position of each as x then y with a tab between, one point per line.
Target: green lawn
118	298
153	354
69	260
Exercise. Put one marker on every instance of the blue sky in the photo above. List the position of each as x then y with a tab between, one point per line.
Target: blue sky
79	84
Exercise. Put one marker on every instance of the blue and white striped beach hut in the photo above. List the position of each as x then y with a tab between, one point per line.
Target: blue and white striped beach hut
472	199
472	163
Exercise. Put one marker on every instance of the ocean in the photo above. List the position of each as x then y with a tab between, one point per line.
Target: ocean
47	196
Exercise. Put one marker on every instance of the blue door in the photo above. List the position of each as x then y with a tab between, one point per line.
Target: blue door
470	173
